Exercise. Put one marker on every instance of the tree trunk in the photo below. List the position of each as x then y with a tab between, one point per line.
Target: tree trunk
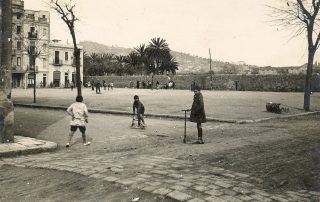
78	77
34	79
34	86
6	106
307	88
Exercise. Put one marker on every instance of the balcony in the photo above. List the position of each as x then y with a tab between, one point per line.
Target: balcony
32	35
31	68
17	51
57	62
18	69
43	20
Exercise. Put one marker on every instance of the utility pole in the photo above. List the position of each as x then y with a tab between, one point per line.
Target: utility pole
6	106
211	82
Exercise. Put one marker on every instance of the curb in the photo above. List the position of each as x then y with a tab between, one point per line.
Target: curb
167	116
25	146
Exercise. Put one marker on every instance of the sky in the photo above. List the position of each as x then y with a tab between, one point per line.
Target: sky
234	30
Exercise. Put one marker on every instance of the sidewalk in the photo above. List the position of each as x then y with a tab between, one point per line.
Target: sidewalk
26	145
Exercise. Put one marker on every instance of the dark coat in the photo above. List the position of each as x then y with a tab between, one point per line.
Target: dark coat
198	114
138	106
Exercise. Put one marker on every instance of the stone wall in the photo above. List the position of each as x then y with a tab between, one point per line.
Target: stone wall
278	83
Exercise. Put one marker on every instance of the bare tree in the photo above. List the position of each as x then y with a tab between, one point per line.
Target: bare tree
67	12
302	17
34	50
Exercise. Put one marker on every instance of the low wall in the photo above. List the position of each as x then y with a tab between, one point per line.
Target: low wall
278	83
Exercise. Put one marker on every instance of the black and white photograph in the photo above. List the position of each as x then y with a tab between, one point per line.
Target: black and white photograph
159	101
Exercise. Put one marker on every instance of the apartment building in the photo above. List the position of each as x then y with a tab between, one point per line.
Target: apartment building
62	69
37	60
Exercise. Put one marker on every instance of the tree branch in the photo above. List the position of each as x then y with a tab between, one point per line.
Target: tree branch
303	9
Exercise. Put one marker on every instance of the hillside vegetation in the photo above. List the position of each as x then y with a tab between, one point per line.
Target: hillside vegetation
187	63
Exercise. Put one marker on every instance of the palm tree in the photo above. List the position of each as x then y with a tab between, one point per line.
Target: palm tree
120	61
157	51
108	62
141	50
86	63
169	65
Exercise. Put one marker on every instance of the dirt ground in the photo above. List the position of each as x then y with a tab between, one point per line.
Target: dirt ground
283	154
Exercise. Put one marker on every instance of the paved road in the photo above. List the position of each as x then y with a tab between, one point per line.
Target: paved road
138	158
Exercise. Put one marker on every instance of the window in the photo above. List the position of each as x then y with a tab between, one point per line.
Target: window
43	16
18	61
66	56
30	80
18	29
19	15
32	29
30	16
19	45
44	61
56	60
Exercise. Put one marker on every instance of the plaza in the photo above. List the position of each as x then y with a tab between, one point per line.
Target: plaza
232	165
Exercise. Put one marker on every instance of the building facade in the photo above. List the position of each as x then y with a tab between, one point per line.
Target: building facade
36	59
62	69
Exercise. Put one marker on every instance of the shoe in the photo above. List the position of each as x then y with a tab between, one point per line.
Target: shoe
67	145
87	143
142	126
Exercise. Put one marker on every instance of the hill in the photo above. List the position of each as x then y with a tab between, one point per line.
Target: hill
187	63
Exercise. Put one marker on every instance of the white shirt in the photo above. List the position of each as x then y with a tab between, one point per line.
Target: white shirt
79	113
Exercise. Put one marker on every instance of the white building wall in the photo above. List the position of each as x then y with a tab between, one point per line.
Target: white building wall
58	62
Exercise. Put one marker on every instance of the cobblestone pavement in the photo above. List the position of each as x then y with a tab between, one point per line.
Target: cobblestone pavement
177	179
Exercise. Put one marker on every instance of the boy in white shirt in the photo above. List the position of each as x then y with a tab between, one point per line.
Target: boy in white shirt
79	113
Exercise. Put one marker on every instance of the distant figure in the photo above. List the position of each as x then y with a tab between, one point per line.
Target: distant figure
149	84
193	85
79	113
157	85
71	85
197	112
98	85
139	107
104	83
144	85
130	84
111	85
92	84
138	84
170	85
